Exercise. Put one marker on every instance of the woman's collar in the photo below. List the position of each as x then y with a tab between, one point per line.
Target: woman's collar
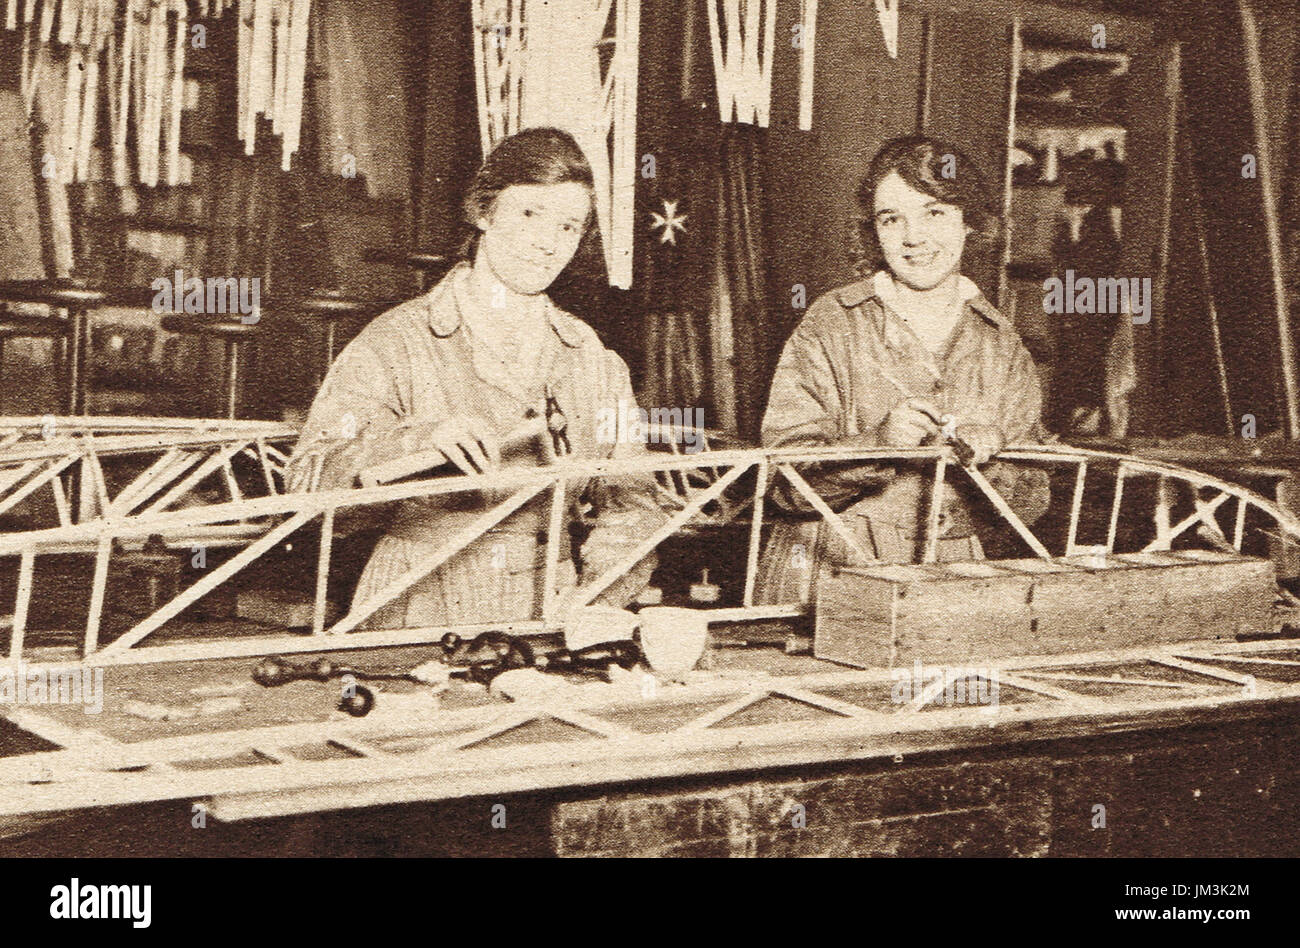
880	287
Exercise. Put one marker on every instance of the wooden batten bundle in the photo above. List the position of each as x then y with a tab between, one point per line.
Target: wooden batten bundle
743	64
272	70
140	47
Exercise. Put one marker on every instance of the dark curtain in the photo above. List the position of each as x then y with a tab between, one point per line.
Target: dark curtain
741	273
449	152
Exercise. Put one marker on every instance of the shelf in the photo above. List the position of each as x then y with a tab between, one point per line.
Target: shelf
1047	113
136	222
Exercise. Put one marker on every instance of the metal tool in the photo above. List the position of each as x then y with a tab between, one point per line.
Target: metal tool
593	658
557	424
965	453
492	653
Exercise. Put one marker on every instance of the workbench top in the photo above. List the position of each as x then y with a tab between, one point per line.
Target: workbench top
286	750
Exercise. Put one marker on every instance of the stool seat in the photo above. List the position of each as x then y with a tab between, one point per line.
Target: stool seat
231	329
12	324
334	305
73	294
416	261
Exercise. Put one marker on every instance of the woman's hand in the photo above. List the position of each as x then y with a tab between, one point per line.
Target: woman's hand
910	424
468	443
984	440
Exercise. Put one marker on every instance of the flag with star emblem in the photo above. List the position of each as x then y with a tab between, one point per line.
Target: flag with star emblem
676	190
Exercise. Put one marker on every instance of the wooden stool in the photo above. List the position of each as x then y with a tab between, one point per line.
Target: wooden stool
331	306
233	332
78	299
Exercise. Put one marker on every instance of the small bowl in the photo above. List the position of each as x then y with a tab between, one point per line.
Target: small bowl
673	639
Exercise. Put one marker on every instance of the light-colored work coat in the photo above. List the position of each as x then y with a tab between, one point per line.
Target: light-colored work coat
849	362
419	365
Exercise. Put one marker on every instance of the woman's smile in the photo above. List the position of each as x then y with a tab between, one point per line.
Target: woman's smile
921	237
921	259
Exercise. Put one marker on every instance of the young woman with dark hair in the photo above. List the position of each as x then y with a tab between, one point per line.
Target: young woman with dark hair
880	363
461	366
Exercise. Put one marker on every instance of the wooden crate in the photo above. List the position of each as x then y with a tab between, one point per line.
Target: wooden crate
970	613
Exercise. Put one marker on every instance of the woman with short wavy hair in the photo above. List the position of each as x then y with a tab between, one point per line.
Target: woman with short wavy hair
891	361
933	167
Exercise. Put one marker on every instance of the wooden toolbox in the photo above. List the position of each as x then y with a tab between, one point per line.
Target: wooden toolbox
893	615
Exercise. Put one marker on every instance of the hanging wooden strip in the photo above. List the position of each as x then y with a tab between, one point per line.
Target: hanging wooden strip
153	93
245	47
807	53
68	124
477	41
122	97
887	14
744	71
86	20
89	115
299	32
67	21
280	40
623	131
47	19
257	68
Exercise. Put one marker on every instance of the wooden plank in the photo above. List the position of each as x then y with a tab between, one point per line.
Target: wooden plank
310	786
554	524
99	585
890	619
1150	604
755	534
22	601
323	571
931	545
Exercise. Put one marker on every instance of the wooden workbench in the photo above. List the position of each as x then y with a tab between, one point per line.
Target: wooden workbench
1190	749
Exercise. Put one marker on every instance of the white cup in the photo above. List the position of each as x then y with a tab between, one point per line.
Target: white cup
673	639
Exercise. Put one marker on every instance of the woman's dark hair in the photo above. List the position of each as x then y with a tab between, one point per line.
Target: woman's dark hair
530	156
933	167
